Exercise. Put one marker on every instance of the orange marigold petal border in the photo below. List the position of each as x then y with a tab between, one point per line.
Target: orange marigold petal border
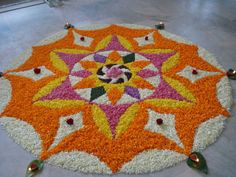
159	108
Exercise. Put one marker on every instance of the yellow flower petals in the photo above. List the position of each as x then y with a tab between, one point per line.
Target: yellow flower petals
58	63
126	119
59	103
100	120
170	63
48	88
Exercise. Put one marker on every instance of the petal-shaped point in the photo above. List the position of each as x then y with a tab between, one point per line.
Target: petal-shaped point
114	56
88	64
132	92
125	43
140	64
58	63
99	58
170	63
126	119
140	83
103	43
85	83
48	88
114	94
100	120
145	73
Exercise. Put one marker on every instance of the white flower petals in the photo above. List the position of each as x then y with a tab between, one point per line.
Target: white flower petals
152	160
44	72
187	73
81	161
53	38
224	93
66	129
145	40
167	128
22	133
5	93
82	40
208	132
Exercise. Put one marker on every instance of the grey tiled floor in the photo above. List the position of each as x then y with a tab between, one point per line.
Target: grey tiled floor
211	24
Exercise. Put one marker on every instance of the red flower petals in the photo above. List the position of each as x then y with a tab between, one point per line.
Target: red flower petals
159	121
37	70
194	71
70	121
82	38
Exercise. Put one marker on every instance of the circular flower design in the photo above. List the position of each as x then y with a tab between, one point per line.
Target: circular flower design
114	99
114	73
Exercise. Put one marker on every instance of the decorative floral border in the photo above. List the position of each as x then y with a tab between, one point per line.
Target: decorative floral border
158	160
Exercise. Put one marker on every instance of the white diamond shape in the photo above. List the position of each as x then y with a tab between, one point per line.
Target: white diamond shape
66	129
86	42
187	73
167	128
141	40
44	72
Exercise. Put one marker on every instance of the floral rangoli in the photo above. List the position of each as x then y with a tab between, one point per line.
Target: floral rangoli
125	99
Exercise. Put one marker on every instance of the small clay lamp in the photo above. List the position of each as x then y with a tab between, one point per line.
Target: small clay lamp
68	26
160	26
231	73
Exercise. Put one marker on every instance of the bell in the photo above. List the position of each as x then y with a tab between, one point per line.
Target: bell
160	26
68	25
34	167
198	162
231	73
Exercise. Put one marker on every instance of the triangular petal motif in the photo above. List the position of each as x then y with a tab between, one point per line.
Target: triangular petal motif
115	44
63	91
114	94
126	119
113	114
100	120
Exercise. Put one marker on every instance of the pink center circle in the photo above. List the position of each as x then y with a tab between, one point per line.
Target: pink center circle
114	72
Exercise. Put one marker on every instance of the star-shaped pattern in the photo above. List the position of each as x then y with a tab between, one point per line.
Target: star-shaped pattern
113	93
